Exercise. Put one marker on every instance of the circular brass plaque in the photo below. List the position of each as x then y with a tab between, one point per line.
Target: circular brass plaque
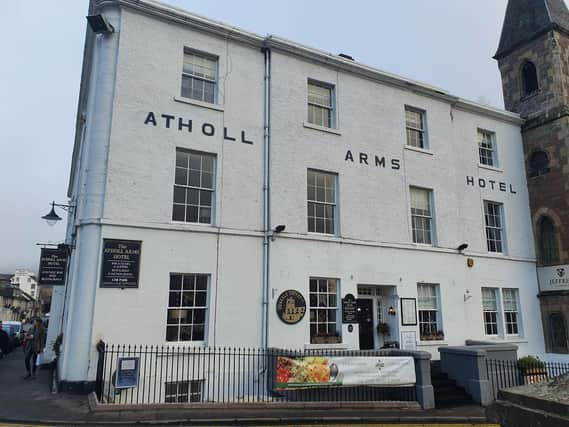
291	307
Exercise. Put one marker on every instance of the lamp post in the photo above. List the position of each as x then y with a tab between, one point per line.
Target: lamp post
52	217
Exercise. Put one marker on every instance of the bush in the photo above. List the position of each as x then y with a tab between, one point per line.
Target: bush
530	362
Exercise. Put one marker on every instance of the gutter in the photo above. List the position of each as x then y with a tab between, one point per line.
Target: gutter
266	195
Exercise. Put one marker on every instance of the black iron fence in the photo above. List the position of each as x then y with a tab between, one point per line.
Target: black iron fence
153	374
504	374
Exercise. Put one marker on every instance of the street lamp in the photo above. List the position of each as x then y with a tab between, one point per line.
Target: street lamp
52	217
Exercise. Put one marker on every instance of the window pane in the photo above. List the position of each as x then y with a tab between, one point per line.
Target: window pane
319	95
192	206
179	195
172	333
175	282
201	282
192	214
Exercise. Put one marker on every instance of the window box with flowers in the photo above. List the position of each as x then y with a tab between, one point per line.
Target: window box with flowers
437	336
326	339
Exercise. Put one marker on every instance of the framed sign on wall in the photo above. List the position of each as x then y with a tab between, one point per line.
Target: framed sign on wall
121	263
408	312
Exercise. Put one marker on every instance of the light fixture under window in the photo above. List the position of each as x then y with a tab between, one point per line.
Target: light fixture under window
391	311
277	230
462	248
99	24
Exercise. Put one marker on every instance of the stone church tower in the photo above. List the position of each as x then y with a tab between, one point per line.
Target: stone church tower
533	57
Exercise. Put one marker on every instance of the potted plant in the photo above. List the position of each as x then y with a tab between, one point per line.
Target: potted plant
532	370
383	329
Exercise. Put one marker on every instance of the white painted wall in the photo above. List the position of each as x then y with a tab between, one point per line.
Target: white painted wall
374	244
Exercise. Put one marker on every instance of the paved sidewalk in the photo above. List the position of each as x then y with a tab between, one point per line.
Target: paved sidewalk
31	402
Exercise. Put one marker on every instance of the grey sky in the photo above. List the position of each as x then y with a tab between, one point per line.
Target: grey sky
446	43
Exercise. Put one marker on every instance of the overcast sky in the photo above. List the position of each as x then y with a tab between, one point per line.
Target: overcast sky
446	43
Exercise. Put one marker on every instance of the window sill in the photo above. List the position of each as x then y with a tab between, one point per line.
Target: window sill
321	128
192	224
197	103
338	346
513	339
490	168
419	150
314	233
178	345
432	343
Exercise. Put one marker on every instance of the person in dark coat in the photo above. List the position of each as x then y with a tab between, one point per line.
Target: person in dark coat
5	342
35	344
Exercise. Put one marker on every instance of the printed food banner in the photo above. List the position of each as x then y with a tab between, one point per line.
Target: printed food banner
319	371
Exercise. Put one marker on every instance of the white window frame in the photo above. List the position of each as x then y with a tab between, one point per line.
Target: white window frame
325	203
517	312
186	188
438	311
313	316
191	396
330	108
487	148
430	217
189	51
422	131
493	229
496	313
184	288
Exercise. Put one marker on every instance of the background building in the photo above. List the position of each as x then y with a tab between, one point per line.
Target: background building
26	281
533	59
15	304
215	169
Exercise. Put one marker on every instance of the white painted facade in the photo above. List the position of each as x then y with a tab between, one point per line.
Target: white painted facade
26	281
122	182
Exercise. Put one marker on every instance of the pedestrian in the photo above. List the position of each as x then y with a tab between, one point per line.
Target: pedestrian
5	343
35	343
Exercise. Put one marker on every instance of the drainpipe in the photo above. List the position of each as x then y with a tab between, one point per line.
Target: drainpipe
266	194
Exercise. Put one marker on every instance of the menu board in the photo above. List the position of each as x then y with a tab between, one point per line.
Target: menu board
53	263
349	309
127	372
121	263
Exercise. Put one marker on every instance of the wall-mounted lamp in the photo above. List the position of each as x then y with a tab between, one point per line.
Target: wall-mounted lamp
52	217
467	295
391	311
462	248
99	24
277	230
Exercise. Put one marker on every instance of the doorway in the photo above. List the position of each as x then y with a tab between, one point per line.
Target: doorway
376	326
365	321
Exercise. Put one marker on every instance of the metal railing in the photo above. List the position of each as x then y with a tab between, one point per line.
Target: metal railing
503	374
183	374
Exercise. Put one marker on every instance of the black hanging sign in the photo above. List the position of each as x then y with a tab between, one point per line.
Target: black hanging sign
349	309
53	263
121	263
291	307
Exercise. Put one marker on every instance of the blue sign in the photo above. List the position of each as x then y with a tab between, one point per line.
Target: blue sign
127	372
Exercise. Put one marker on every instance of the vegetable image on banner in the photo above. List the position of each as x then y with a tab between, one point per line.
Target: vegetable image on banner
319	371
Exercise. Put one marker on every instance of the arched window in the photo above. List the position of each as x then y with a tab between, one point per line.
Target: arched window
529	78
549	252
538	164
558	333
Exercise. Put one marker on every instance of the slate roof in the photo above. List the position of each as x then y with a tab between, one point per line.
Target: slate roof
528	19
